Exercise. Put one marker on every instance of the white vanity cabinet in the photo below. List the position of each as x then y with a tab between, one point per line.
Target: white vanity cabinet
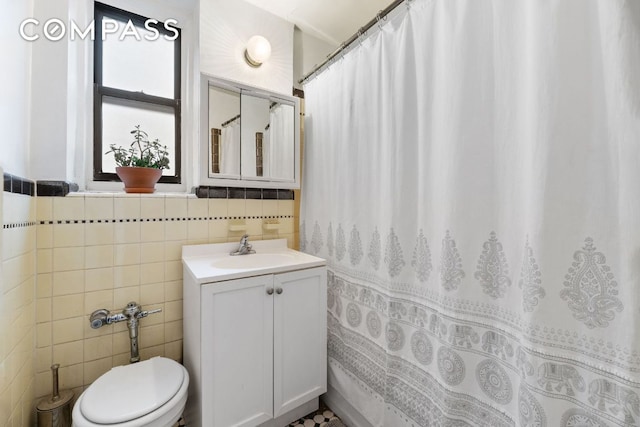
255	346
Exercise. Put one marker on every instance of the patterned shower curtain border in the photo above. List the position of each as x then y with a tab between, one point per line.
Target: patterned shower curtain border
502	360
587	263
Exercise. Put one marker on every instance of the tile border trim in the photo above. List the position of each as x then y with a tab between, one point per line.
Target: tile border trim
207	192
19	225
124	220
55	188
18	185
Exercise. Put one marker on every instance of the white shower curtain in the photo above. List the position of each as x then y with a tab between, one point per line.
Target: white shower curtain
472	176
230	150
266	152
281	137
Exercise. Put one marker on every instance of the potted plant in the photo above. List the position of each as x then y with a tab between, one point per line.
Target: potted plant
140	166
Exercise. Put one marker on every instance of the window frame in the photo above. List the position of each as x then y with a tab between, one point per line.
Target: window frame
100	91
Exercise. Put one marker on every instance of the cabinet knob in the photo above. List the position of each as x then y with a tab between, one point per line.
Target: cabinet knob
269	291
278	290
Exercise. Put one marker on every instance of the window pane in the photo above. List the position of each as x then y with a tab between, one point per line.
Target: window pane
119	117
138	65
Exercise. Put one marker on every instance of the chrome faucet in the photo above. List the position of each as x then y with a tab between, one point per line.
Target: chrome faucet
244	248
131	313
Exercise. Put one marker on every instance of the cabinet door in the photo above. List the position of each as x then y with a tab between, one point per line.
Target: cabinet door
300	338
237	352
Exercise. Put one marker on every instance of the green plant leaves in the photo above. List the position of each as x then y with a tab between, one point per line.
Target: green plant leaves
142	153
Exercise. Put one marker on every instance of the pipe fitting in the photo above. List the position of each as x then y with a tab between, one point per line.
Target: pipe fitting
131	313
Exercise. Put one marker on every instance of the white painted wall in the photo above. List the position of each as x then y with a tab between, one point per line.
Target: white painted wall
15	75
49	158
308	51
225	28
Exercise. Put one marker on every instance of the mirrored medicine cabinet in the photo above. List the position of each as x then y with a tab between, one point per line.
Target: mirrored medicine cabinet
251	137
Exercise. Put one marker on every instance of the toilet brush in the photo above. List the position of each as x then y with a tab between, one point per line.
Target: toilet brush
55	411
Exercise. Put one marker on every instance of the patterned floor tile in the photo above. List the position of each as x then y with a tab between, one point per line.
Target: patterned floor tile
323	417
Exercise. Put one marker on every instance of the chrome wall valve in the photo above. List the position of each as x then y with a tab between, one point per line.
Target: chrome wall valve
131	313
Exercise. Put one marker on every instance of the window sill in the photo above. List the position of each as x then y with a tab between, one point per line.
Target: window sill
116	187
107	194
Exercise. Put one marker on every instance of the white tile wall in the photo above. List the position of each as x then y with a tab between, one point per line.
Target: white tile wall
18	356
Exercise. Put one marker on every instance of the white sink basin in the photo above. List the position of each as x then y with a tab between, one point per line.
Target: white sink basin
212	262
253	261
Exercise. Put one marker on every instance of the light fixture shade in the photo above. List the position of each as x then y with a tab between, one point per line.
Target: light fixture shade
258	51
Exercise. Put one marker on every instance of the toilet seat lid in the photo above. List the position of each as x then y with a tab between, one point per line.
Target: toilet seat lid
132	391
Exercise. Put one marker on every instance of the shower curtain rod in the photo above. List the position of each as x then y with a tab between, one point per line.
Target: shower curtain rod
381	15
230	121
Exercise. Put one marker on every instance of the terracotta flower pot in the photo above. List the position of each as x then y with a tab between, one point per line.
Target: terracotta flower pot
138	180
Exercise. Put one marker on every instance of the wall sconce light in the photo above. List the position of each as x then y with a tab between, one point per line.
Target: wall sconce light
258	51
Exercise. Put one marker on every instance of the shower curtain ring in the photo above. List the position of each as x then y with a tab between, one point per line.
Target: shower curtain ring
360	33
378	19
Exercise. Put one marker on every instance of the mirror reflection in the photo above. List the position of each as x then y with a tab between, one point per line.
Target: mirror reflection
278	144
224	125
251	135
255	122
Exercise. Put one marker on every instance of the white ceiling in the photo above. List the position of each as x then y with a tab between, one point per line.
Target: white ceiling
333	21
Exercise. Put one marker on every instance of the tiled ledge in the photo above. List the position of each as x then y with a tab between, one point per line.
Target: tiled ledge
55	188
18	185
62	189
205	192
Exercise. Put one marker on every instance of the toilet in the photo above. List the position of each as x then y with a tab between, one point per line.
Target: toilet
149	393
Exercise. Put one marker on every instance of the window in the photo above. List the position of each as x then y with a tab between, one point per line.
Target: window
136	82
